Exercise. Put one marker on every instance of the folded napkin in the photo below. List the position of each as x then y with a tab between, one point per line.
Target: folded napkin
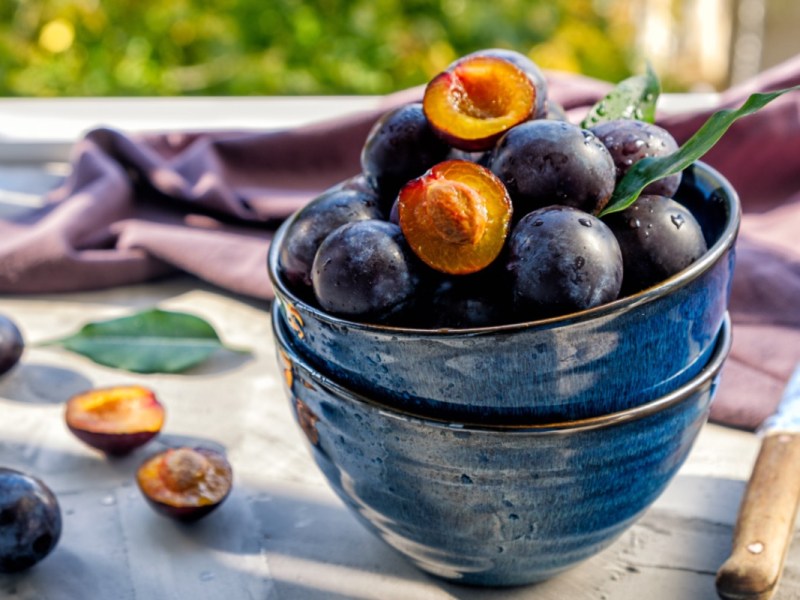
136	207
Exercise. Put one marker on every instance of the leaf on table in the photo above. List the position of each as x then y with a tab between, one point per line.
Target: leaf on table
152	341
652	169
632	98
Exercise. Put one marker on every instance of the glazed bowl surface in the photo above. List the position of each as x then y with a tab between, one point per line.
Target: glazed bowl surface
489	504
606	359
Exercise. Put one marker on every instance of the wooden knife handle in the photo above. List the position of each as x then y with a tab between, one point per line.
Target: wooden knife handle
766	521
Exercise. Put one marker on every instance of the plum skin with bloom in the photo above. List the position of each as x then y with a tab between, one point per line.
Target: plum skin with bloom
30	521
562	260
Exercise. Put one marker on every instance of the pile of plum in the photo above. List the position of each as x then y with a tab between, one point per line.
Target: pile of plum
479	206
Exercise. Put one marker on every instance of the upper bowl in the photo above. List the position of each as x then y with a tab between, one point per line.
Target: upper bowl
602	360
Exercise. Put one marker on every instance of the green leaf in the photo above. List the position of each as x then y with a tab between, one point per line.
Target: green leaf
632	98
652	169
152	341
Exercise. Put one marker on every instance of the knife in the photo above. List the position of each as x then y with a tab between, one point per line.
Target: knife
768	511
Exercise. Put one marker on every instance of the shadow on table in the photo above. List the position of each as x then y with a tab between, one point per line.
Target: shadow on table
175	440
39	383
301	543
315	549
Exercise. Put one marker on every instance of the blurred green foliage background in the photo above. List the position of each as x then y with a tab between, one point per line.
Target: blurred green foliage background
288	47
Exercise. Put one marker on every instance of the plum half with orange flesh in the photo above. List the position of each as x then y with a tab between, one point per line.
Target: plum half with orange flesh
530	68
478	98
455	217
185	483
115	420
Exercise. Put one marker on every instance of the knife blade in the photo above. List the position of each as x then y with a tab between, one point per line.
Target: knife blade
767	514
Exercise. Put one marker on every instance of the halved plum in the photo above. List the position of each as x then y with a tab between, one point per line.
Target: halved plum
530	68
115	420
478	98
185	483
455	217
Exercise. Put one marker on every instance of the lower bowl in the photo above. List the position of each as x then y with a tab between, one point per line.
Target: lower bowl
495	504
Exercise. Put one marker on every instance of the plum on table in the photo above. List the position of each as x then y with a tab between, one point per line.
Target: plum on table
30	520
185	483
115	420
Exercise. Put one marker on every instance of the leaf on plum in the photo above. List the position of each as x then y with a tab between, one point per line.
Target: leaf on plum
632	98
652	169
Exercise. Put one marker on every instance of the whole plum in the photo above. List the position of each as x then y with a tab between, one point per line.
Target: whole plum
630	140
562	260
11	344
546	162
30	521
314	222
365	269
658	238
399	147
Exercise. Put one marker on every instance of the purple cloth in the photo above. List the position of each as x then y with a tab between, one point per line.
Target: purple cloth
137	207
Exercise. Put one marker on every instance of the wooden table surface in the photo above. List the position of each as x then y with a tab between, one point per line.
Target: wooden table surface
282	534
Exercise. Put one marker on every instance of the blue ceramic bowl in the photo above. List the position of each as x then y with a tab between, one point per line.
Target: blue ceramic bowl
586	364
495	505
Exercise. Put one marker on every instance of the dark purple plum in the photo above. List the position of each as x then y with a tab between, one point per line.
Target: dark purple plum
630	140
658	238
399	147
11	344
562	260
365	269
477	300
545	162
30	521
530	68
314	222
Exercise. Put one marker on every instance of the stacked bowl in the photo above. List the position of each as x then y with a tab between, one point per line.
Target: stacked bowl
503	455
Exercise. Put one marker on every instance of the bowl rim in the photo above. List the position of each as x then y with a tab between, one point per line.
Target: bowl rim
726	240
722	346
